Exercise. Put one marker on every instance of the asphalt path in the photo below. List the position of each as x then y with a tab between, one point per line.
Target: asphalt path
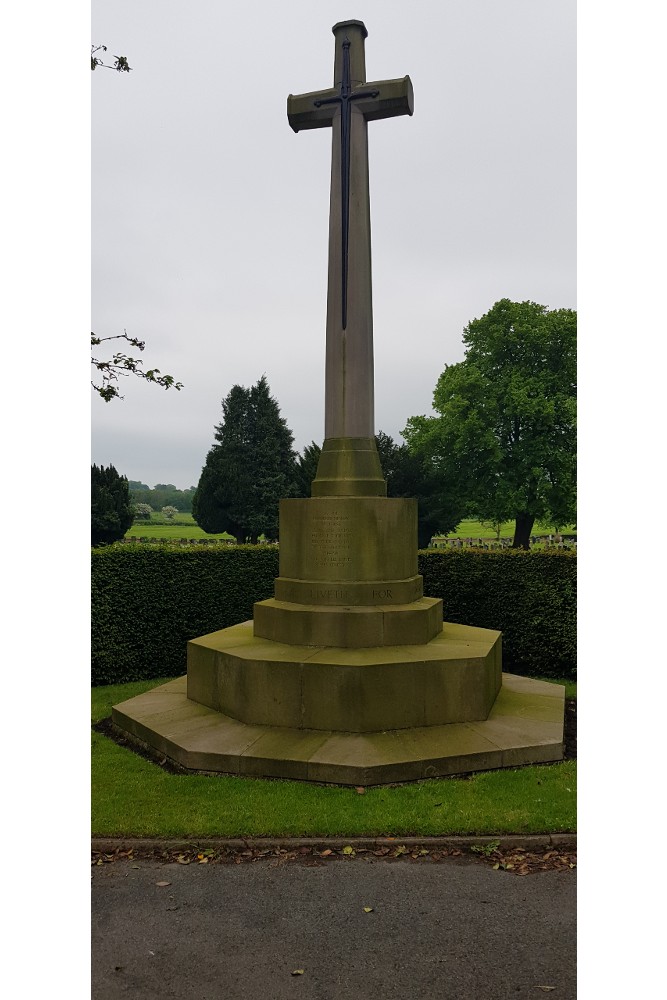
452	929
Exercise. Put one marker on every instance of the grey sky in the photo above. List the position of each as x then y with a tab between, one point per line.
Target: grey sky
210	215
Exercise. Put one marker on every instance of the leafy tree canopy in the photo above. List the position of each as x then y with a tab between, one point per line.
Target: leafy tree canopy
162	495
250	468
505	433
111	510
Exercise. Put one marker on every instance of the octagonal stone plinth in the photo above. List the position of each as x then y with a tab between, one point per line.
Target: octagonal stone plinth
525	726
453	678
415	623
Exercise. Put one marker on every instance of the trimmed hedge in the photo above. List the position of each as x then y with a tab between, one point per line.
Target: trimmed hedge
148	601
531	597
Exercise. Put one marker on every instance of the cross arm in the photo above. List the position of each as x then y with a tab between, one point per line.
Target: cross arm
302	112
394	97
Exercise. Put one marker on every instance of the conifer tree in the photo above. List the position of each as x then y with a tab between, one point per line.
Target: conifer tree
249	469
111	510
306	469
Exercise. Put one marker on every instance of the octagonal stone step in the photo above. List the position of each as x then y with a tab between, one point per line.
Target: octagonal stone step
355	627
453	678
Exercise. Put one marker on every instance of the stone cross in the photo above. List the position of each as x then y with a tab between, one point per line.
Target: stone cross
347	107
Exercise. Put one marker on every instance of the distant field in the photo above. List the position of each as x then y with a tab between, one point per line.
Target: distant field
158	529
475	529
188	529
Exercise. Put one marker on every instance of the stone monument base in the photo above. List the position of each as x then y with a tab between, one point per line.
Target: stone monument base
453	678
517	720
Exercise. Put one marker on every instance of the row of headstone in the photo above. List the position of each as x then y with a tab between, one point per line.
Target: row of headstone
179	541
470	543
548	541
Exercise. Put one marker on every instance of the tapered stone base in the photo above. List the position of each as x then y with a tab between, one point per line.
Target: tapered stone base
525	726
349	467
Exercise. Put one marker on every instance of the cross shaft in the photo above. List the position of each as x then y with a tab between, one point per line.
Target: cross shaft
347	107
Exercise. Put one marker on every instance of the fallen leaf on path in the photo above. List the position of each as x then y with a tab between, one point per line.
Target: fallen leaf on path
163	883
325	854
545	988
349	851
298	972
368	909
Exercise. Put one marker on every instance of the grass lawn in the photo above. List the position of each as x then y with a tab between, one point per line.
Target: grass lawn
132	797
157	529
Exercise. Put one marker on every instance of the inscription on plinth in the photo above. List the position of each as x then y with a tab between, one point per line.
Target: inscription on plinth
331	540
336	541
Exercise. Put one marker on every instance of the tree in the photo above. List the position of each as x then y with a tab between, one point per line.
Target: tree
123	364
169	512
162	496
142	511
410	475
111	510
506	426
249	470
306	469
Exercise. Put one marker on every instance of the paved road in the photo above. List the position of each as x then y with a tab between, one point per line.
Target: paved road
452	929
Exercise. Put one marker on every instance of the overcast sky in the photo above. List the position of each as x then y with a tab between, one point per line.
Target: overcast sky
210	216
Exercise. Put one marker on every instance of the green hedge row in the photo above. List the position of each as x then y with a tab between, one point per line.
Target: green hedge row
148	601
531	597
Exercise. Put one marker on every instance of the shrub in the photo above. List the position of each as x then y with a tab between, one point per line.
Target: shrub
142	511
529	596
148	601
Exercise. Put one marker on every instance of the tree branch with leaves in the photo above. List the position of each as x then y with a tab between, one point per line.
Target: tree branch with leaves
123	364
120	63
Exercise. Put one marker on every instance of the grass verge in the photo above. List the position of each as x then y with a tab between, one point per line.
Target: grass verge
133	797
